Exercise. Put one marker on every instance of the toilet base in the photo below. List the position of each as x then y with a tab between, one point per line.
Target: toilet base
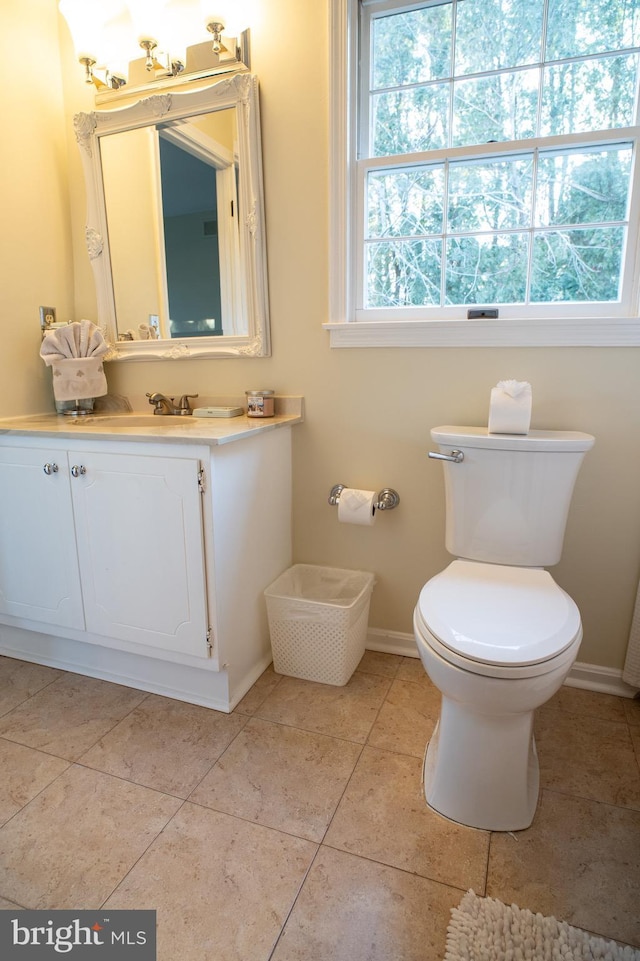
487	775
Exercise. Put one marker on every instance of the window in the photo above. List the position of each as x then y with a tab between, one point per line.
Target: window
484	158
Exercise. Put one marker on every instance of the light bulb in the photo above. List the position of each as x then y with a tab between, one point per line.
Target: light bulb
146	18
180	25
84	19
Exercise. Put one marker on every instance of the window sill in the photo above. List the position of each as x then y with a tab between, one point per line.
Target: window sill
573	332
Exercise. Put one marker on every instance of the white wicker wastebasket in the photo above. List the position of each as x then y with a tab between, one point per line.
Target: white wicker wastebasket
318	619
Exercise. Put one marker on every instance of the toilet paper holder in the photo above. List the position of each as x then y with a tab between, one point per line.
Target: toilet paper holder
387	498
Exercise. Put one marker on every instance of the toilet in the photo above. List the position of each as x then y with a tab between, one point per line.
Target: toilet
495	633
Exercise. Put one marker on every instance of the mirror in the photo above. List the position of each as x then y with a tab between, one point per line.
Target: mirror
175	222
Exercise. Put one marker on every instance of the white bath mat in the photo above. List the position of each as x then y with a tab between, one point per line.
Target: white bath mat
483	929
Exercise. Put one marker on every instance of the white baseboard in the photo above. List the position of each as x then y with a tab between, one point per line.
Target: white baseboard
594	677
589	677
199	685
210	688
391	642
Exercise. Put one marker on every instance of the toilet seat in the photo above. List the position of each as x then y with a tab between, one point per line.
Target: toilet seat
496	620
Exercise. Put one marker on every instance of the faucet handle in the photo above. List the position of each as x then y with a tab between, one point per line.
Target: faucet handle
184	404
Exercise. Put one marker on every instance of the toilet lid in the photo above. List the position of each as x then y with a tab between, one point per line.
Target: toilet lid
499	615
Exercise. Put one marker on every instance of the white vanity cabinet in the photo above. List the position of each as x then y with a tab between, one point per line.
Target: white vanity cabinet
144	562
139	534
39	575
107	542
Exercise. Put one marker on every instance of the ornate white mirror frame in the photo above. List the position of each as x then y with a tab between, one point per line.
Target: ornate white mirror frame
240	92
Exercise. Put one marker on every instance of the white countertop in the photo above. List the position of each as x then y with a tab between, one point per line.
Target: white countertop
145	426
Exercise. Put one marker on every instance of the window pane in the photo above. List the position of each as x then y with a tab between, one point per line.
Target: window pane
411	47
487	270
501	107
480	46
593	95
583	187
523	224
490	196
577	265
404	273
401	203
410	121
580	27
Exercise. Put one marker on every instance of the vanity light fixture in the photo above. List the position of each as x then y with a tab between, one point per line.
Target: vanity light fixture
149	46
216	27
88	64
93	25
146	26
107	33
230	17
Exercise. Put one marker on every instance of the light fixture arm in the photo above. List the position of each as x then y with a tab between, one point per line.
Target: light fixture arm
114	81
149	46
88	64
215	27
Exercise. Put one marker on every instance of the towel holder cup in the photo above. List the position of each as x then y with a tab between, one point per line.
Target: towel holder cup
77	382
81	407
76	353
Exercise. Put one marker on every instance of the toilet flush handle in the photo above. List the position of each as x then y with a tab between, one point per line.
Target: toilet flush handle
456	456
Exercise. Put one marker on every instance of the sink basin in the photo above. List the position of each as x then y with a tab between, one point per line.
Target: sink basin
135	420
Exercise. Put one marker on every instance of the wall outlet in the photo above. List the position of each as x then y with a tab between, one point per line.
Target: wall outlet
47	316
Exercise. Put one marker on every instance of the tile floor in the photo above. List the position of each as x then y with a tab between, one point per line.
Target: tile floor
294	829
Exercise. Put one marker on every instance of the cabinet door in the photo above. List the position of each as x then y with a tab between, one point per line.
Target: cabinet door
140	545
39	578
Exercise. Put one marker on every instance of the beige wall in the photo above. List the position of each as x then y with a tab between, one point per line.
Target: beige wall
36	265
369	410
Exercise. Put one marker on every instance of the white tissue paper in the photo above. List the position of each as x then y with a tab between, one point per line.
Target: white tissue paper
510	407
357	507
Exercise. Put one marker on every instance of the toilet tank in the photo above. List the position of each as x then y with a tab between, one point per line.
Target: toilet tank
508	500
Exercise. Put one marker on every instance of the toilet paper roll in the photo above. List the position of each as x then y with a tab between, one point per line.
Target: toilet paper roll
357	507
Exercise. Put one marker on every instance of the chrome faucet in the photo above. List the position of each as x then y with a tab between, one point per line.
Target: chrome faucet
166	405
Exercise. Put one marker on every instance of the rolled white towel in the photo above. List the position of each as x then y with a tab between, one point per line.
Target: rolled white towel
79	339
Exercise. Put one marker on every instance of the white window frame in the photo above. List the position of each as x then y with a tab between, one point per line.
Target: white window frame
576	329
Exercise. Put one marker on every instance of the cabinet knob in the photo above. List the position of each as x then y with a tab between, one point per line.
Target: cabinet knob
50	468
76	470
